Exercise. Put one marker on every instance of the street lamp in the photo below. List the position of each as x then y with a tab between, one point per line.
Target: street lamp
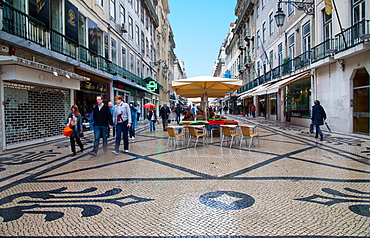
307	7
165	69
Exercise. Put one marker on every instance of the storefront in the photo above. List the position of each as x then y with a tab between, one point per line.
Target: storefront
298	101
36	102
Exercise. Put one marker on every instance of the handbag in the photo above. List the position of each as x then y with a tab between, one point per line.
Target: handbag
72	123
67	131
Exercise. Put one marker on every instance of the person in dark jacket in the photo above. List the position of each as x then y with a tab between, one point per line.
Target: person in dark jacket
102	119
178	111
318	118
152	117
164	113
75	122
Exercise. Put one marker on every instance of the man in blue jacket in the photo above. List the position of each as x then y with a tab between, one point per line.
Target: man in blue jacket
102	119
318	118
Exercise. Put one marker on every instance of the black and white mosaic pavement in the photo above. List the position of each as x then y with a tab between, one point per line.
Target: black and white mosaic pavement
291	186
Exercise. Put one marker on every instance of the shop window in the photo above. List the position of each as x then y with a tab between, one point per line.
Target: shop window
299	98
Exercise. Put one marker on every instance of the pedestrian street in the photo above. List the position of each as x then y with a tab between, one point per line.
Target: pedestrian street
292	185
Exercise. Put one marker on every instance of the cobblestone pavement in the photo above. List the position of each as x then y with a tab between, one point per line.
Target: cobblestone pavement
292	185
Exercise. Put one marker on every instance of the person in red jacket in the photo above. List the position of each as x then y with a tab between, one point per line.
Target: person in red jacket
253	109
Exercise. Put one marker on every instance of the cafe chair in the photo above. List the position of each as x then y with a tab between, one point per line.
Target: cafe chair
186	124
194	133
172	136
246	132
226	132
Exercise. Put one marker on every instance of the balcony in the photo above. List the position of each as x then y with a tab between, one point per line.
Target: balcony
288	66
26	27
357	34
247	34
323	50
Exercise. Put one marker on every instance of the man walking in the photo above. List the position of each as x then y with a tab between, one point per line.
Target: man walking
122	119
164	113
178	111
102	119
318	117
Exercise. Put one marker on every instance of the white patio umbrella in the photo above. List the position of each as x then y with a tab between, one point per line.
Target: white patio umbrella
205	86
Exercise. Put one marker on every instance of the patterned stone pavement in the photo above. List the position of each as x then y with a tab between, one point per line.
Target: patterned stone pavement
292	185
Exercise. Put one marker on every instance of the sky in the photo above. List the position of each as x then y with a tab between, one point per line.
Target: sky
200	27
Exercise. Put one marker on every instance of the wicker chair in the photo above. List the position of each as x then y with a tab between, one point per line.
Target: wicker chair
193	133
172	136
226	131
246	132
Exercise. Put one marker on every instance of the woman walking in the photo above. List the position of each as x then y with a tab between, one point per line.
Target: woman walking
318	117
152	117
75	122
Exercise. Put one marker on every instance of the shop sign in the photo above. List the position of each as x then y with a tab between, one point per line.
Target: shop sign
119	85
71	21
152	86
92	86
40	9
93	36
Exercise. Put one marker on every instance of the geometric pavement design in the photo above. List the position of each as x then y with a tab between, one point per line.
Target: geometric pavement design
293	185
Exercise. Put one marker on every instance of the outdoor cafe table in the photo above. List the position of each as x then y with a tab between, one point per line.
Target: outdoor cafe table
194	122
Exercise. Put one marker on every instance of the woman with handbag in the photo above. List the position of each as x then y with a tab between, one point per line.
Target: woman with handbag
75	123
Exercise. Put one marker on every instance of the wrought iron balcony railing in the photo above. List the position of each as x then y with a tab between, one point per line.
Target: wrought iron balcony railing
323	50
357	34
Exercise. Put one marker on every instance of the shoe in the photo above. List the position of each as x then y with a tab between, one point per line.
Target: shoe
92	153
316	136
133	138
126	151
82	150
115	152
321	137
74	154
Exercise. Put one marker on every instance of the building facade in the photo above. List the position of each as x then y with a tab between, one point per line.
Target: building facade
58	53
318	53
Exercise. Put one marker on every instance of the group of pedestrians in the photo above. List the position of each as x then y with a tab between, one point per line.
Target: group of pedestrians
121	118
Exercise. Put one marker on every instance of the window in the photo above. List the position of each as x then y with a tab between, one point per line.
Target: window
147	22
327	26
359	11
130	27
113	9
258	39
81	30
271	60
258	68
263	3
257	11
130	1
123	57
147	46
114	51
122	13
271	23
137	35
137	6
142	43
291	46
132	63
100	2
290	7
56	15
100	42
306	34
137	67
280	54
142	15
264	32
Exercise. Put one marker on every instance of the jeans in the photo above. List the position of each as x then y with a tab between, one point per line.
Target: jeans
254	114
318	130
121	133
100	131
152	125
132	131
